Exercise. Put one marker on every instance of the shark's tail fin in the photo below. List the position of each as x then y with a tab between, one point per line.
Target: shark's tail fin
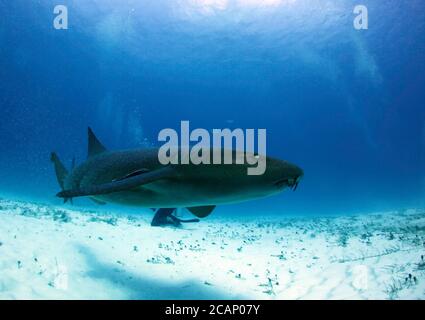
61	172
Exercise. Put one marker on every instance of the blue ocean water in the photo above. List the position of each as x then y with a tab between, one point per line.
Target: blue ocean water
346	105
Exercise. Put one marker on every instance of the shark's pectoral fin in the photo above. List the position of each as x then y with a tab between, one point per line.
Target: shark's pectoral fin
133	174
201	212
164	216
119	185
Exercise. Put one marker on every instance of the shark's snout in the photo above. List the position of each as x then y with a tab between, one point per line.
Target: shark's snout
292	176
293	183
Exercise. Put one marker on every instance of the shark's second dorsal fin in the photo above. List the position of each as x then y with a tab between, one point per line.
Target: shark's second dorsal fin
95	147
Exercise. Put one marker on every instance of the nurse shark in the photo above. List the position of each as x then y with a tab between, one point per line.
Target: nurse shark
137	178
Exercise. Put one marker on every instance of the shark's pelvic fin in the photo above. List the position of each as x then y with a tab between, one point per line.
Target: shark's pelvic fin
60	170
95	147
120	185
201	212
162	215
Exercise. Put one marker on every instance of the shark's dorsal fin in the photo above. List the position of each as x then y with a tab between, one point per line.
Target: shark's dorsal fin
201	212
95	147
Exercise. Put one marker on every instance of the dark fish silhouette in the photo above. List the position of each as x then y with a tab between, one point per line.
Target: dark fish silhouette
137	178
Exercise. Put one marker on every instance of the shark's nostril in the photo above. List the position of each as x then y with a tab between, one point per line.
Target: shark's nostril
290	182
281	182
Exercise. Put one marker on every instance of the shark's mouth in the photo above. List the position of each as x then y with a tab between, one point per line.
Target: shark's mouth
291	183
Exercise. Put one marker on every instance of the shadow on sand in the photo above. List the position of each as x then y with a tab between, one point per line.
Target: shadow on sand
138	287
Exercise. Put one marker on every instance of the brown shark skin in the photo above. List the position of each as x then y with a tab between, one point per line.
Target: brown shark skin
190	185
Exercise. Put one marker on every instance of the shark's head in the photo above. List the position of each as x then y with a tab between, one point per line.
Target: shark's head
280	174
234	183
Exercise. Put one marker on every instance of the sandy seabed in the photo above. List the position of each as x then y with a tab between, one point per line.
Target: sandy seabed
53	252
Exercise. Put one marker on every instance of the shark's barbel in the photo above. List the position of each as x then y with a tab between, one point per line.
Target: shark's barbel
136	177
